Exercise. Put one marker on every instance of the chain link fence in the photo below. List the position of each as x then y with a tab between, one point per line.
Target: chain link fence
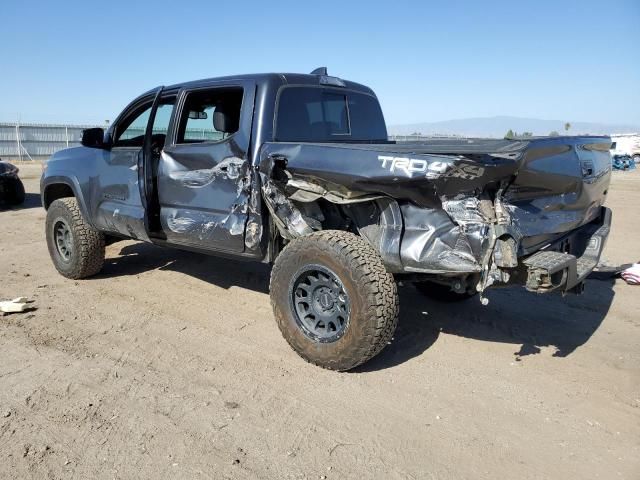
33	142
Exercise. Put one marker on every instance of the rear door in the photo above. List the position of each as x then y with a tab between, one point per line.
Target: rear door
203	174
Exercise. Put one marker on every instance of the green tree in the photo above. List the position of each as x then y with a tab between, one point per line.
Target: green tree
567	126
509	135
526	134
554	134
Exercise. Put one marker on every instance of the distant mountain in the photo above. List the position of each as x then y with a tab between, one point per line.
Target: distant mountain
498	126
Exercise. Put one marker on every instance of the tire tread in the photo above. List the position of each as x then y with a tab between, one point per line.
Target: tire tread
91	241
369	273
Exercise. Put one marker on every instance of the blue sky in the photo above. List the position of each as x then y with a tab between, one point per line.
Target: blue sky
82	62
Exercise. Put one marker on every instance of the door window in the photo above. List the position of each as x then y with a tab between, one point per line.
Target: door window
163	117
130	133
210	115
132	129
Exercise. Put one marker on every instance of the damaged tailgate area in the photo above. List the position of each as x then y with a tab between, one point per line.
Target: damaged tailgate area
467	209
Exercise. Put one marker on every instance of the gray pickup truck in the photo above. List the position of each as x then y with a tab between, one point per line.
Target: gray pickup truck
297	171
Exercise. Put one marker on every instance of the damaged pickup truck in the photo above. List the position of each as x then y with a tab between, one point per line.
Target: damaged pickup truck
297	171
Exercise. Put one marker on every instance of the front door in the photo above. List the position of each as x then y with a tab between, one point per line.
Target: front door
119	203
203	175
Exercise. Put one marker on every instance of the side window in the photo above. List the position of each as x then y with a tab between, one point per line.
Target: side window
163	117
130	133
133	128
210	115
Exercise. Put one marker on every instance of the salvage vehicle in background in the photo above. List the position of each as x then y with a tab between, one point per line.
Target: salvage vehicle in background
626	144
622	162
296	170
11	187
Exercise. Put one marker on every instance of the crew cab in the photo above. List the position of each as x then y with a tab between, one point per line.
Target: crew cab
297	171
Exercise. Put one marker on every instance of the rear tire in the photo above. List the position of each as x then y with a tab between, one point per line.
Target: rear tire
442	293
333	299
76	249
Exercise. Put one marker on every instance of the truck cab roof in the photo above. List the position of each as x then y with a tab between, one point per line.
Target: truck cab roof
270	80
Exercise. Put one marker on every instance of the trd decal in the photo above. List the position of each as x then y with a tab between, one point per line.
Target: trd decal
431	169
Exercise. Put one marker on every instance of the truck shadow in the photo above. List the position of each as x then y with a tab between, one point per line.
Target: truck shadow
137	258
31	200
513	316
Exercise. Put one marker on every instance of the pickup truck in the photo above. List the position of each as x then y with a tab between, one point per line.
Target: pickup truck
297	171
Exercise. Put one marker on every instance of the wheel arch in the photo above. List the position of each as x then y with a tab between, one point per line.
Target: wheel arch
377	220
54	188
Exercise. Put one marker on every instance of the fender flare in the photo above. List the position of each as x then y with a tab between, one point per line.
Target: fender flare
73	183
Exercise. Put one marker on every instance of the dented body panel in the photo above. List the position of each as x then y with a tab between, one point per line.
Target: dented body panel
472	209
447	193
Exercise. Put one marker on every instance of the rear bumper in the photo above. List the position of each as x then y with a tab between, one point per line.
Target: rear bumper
554	269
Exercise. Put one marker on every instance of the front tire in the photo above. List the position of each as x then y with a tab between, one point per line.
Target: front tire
76	249
333	299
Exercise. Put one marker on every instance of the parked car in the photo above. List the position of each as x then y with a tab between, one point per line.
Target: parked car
296	170
622	162
11	187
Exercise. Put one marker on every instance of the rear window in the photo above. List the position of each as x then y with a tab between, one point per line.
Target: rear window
312	114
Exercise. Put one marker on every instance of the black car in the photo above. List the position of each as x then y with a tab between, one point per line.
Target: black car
297	171
11	187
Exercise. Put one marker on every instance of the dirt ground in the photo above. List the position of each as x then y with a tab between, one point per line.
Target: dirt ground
170	365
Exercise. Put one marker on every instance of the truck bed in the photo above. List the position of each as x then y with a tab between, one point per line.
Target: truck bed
548	186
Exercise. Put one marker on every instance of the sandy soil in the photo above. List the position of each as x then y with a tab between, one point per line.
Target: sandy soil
170	365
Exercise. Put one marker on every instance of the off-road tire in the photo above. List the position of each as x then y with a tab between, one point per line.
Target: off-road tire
18	195
87	255
442	293
371	290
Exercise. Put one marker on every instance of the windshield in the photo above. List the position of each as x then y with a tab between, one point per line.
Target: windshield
321	114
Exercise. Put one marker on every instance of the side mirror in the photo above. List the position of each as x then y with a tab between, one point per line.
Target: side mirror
93	138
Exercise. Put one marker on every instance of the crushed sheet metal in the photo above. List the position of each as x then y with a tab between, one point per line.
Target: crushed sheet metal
356	171
229	167
287	216
310	191
253	234
202	226
432	243
466	211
